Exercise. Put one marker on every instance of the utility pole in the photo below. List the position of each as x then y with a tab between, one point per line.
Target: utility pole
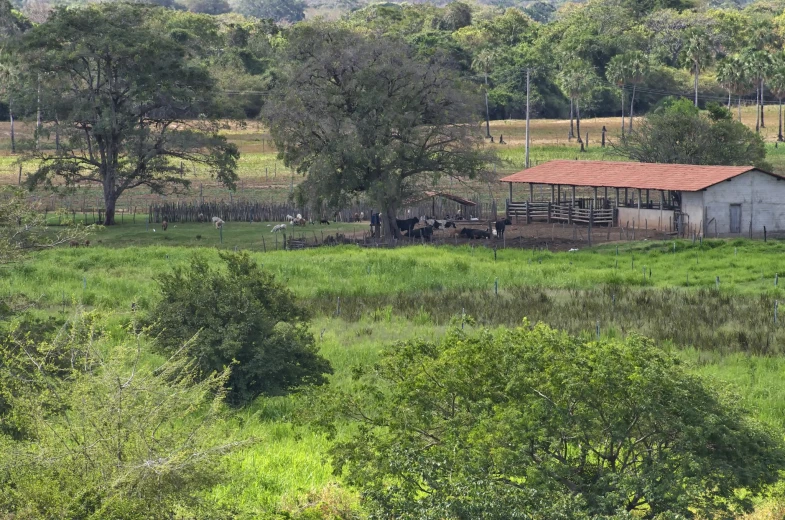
528	73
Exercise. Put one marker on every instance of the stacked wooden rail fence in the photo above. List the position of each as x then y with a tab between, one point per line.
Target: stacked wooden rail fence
564	212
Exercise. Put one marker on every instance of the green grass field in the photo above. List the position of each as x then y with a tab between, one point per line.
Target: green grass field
388	295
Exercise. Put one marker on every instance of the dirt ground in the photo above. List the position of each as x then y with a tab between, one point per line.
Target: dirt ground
538	235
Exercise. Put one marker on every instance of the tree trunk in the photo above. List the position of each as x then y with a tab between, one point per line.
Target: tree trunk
739	104
388	221
632	105
13	135
728	100
578	120
487	110
110	208
622	110
110	199
572	133
779	133
57	134
757	104
697	72
762	122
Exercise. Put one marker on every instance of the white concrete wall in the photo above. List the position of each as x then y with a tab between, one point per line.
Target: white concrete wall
692	207
762	199
646	217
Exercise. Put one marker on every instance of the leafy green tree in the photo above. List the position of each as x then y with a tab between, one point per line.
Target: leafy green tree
757	63
577	80
679	133
777	86
23	228
617	73
110	436
278	10
532	423
366	115
733	76
698	53
637	66
457	15
238	315
212	7
483	63
130	107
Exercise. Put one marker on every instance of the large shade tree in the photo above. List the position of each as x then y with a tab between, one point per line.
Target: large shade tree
127	106
360	114
532	423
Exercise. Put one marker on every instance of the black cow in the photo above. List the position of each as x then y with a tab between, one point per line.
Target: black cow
324	221
423	232
407	224
474	233
500	225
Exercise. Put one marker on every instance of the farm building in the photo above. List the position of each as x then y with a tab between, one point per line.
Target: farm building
679	198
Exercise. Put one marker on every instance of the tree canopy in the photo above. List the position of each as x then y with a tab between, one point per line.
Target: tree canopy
679	133
360	114
240	316
530	420
125	105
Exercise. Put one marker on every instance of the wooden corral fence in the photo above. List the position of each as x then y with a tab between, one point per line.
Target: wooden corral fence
564	212
249	211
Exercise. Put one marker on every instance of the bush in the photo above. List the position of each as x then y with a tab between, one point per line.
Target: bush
110	436
533	423
238	314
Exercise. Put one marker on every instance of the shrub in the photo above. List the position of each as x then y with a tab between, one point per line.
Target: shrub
110	436
531	422
238	314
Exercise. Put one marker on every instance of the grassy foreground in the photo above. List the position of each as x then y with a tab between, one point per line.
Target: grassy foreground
388	295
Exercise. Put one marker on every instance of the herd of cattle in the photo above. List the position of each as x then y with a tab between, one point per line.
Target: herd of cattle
409	229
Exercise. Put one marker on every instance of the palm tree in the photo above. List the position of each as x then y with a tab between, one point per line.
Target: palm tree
638	69
757	63
777	85
698	54
577	79
733	76
483	63
616	72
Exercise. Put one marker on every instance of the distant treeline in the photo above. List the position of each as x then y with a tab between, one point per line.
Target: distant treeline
591	59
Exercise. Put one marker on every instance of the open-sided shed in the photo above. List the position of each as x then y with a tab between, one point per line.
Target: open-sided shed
670	197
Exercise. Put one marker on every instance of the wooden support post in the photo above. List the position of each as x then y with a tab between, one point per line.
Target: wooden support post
531	192
626	197
510	192
617	197
572	206
558	193
648	200
553	192
550	208
591	221
595	196
639	204
662	206
606	195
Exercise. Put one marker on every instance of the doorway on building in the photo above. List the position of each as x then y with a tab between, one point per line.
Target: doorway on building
735	218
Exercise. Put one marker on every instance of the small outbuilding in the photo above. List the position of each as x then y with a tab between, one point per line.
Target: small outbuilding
679	198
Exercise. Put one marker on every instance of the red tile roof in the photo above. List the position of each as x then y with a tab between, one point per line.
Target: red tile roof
647	176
